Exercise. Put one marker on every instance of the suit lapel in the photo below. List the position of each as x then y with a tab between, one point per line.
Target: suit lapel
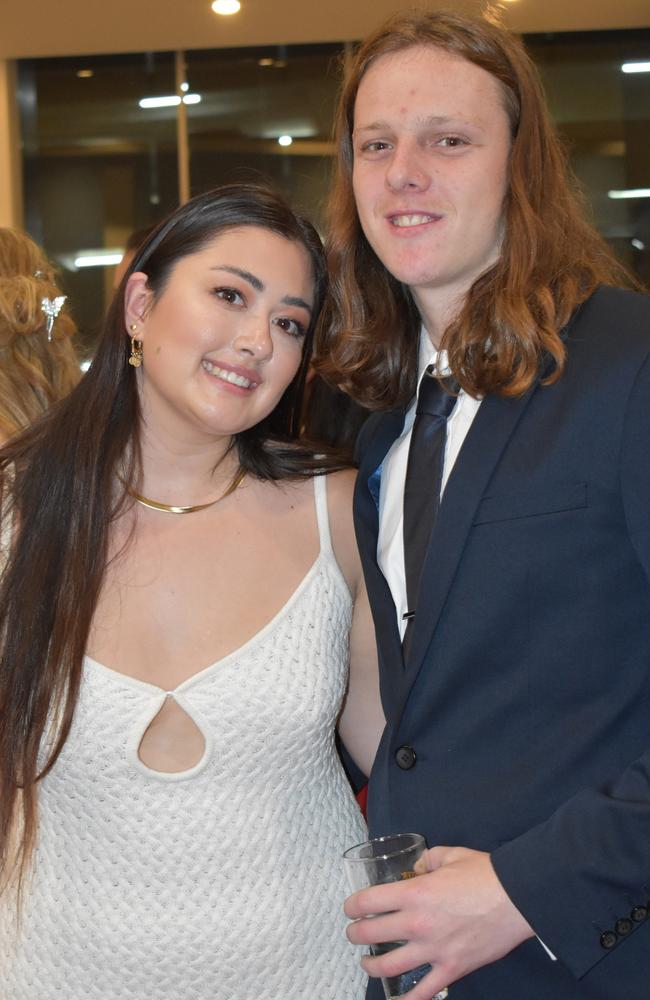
485	442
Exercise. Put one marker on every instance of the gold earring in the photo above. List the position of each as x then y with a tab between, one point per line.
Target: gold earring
135	358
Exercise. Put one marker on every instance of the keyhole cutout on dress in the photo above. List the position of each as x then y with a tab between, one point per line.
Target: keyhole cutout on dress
172	741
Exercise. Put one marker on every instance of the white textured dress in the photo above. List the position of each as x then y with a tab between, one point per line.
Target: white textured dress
223	882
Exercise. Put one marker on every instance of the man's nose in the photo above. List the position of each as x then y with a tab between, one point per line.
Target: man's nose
407	169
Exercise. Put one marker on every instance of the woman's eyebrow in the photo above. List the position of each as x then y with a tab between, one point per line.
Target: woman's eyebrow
291	300
252	279
259	286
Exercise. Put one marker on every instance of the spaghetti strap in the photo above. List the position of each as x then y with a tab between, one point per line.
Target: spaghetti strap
322	516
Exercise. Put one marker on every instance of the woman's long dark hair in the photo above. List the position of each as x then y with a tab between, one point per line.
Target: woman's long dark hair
58	491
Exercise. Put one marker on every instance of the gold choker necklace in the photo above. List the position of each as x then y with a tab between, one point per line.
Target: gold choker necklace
171	509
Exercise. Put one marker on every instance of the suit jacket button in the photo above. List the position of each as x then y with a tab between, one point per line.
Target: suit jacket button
638	914
623	926
405	757
608	939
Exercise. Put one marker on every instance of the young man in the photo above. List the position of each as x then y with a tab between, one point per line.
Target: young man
506	538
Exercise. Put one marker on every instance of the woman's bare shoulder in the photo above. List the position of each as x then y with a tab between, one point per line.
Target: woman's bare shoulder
340	493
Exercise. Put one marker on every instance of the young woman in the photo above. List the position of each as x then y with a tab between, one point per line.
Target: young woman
38	363
175	617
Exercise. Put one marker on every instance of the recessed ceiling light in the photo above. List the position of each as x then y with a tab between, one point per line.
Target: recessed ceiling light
265	61
226	6
285	140
85	74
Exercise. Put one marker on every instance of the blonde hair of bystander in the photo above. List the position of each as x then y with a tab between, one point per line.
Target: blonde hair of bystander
38	362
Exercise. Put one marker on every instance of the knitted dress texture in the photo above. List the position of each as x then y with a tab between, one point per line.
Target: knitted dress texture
222	882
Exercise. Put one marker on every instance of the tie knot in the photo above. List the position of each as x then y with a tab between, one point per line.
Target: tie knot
434	395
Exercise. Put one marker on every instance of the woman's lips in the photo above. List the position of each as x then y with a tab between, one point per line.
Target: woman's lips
230	375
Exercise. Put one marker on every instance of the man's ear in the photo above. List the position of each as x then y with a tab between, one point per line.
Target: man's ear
137	300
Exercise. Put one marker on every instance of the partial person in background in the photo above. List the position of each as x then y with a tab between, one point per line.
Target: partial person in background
181	602
502	509
38	362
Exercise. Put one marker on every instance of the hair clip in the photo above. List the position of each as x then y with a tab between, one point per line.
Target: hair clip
52	308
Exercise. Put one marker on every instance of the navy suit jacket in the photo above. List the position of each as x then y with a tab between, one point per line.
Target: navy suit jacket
526	695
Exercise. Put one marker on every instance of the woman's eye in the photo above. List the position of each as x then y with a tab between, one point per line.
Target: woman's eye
230	295
291	326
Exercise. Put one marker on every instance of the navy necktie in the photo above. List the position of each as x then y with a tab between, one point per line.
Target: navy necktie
423	483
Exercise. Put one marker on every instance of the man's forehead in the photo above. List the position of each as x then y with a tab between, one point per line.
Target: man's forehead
399	87
419	122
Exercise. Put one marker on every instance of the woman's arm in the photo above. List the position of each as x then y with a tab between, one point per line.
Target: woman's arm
362	720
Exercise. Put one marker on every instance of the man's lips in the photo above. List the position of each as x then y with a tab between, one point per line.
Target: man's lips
242	377
407	220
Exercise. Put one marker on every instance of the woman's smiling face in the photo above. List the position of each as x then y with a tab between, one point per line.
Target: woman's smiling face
224	338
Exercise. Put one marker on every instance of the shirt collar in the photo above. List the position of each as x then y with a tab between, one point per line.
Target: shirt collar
430	355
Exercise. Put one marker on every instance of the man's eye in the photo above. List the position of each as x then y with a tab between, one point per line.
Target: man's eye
376	146
452	141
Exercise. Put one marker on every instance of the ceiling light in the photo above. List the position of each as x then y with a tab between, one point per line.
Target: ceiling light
185	87
266	61
636	67
85	365
630	193
160	102
226	6
85	74
638	244
98	258
170	101
285	140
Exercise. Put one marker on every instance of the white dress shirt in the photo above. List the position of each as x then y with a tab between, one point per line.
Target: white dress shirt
390	541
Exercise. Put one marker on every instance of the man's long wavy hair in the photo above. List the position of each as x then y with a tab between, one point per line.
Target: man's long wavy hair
60	496
551	258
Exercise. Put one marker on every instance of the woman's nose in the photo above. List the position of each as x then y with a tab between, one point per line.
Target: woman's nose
254	338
